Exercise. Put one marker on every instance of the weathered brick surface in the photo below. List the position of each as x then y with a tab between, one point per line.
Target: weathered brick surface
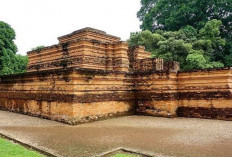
156	93
204	112
91	75
205	94
72	96
200	94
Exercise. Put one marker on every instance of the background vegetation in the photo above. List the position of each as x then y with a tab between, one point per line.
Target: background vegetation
10	62
196	33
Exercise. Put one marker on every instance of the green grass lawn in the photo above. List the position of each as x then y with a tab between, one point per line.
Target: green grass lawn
10	149
123	155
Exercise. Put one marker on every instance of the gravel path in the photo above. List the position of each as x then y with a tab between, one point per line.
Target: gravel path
171	137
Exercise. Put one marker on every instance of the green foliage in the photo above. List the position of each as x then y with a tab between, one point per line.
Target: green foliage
9	149
228	54
145	38
228	59
192	48
23	60
198	61
173	15
10	63
38	48
195	61
176	14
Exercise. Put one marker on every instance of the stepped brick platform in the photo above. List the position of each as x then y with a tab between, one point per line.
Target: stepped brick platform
90	75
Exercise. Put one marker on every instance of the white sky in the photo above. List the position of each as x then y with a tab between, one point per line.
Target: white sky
40	22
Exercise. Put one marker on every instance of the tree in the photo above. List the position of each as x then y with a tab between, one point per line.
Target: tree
192	48
195	61
145	38
10	63
228	53
211	33
22	63
144	14
176	14
172	15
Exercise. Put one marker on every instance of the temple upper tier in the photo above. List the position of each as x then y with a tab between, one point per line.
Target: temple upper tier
89	33
95	49
86	48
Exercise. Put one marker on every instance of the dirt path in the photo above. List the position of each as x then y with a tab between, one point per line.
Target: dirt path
173	137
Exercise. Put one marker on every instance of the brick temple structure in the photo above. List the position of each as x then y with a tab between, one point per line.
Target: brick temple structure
90	75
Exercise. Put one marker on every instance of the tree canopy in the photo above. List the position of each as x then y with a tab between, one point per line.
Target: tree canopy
10	63
192	48
176	15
